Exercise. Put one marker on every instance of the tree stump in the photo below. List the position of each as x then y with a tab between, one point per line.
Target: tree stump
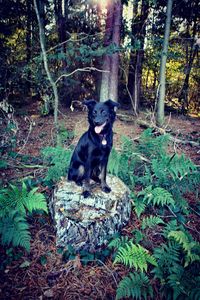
86	224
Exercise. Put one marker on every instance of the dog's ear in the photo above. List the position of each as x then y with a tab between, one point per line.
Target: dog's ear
112	104
90	103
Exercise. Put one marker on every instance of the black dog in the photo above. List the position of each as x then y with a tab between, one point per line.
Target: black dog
90	157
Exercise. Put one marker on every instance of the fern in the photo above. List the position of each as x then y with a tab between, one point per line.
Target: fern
151	221
188	245
167	256
136	286
157	196
118	242
152	146
170	226
20	199
139	206
195	293
138	235
14	230
114	162
134	256
175	282
175	171
181	166
58	159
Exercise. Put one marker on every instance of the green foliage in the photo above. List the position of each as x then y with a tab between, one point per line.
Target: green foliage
177	280
3	164
151	221
15	203
136	286
64	135
191	247
139	206
161	181
58	159
20	199
122	164
152	147
157	196
136	256
118	242
167	256
14	230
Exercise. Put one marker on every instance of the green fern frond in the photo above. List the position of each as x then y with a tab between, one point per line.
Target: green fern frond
136	256
152	146
55	156
157	196
139	206
170	226
175	282
35	201
136	286
181	238
188	245
167	254
20	199
118	242
181	166
195	293
14	230
151	221
176	170
114	162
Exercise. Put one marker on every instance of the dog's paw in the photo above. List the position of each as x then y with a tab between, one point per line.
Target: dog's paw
106	189
79	183
86	194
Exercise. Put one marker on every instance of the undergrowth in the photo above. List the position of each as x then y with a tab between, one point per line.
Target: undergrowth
159	182
16	204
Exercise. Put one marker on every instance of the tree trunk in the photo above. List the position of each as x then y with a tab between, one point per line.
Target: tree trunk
137	56
46	67
162	76
104	89
114	67
183	98
29	40
109	81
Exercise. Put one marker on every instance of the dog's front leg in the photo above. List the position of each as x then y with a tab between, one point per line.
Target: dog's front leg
86	182
105	188
86	188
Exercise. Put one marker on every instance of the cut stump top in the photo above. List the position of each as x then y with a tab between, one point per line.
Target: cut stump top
87	223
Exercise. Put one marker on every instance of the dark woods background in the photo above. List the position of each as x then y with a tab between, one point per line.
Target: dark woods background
82	34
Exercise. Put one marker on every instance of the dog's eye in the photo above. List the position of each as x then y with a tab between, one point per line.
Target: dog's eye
94	113
103	113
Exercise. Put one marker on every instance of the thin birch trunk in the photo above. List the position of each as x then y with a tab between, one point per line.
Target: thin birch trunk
45	61
114	67
162	76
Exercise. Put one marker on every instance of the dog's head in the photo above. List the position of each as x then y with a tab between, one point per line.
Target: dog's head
101	115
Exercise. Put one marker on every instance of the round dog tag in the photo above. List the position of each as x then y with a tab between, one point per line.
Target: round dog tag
104	142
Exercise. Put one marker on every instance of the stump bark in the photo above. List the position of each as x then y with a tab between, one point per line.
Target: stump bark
87	224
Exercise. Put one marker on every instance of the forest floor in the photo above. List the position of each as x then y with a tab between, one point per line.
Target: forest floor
42	273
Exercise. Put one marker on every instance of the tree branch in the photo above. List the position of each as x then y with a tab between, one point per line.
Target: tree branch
86	69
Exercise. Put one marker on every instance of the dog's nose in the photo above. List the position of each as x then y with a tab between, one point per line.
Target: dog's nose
97	123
